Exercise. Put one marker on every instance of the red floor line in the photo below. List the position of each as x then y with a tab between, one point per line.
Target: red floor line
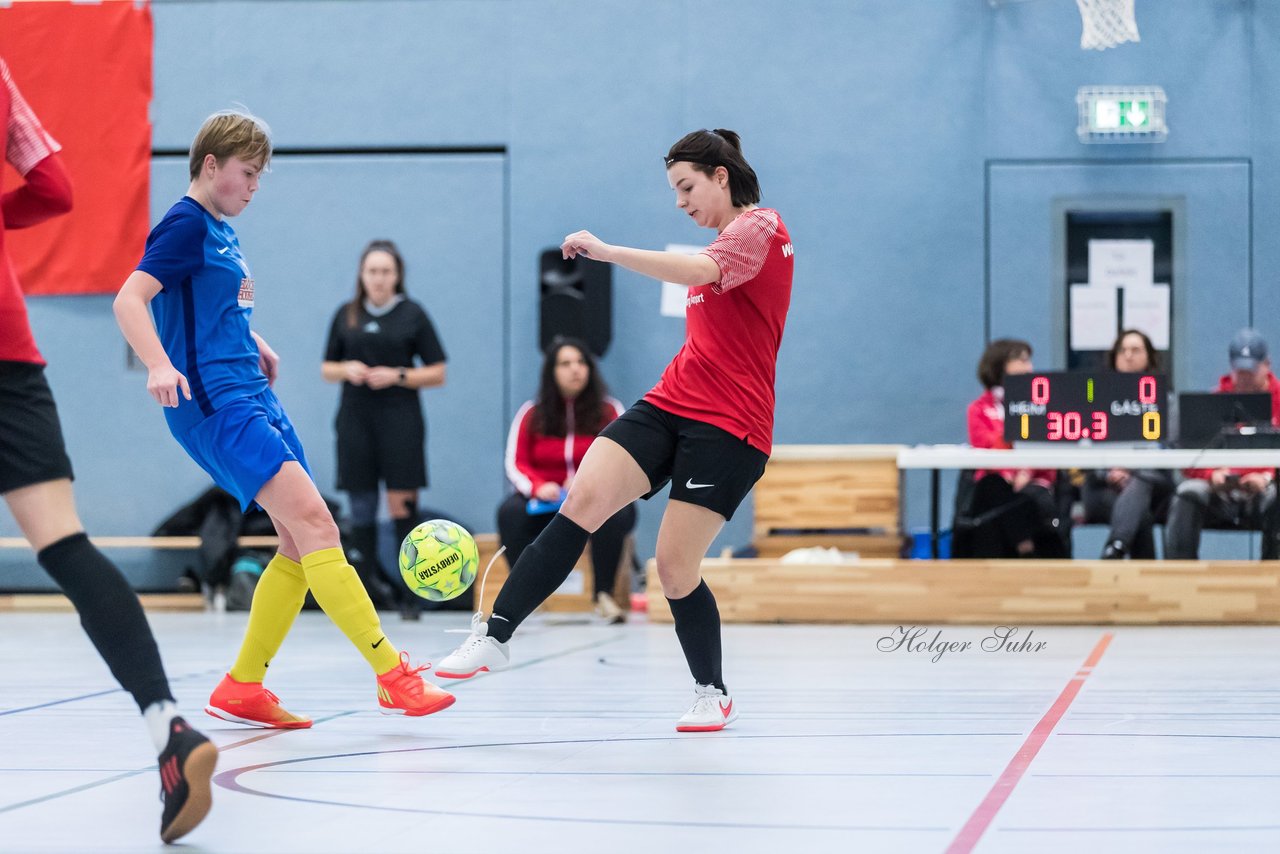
982	817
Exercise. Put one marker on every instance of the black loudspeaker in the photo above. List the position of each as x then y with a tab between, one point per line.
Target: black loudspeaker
576	300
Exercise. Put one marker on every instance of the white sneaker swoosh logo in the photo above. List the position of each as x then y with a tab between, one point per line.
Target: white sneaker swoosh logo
224	250
689	484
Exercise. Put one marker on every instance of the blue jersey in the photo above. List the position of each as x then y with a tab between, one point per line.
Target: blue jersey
202	311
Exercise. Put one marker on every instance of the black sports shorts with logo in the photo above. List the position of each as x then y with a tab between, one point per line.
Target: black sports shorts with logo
31	446
706	466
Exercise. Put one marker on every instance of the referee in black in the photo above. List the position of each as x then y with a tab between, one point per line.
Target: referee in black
383	348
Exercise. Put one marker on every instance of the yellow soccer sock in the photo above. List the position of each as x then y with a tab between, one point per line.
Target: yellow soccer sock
276	602
339	592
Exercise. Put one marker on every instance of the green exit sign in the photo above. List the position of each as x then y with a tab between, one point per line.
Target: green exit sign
1121	114
1114	114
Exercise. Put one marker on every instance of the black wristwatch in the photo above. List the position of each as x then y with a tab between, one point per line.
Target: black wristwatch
403	375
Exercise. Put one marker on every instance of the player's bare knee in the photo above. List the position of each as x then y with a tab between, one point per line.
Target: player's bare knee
401	504
582	505
315	523
678	580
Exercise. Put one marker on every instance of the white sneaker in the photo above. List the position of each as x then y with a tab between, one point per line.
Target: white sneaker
607	608
478	652
712	711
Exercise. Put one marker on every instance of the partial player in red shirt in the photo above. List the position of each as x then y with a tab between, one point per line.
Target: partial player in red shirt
706	427
35	481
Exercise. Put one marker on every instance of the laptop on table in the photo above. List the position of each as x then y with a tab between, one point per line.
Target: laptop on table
1225	419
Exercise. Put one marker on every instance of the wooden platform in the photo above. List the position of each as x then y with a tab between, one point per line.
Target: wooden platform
575	595
989	592
836	496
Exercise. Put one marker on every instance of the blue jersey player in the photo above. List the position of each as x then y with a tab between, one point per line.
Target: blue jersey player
213	375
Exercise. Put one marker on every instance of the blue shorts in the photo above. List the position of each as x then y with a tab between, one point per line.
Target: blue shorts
243	445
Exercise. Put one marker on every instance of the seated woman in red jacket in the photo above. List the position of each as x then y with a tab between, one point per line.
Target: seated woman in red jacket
546	444
1003	357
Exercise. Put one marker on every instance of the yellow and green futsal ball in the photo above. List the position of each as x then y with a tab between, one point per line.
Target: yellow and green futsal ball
439	560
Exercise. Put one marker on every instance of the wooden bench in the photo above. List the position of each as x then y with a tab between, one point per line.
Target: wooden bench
990	592
841	496
574	595
149	542
43	602
52	600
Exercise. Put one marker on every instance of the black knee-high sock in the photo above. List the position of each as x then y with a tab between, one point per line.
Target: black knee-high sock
111	615
542	568
606	548
698	628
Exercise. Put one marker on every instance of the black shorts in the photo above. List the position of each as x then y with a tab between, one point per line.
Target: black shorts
381	443
31	446
707	466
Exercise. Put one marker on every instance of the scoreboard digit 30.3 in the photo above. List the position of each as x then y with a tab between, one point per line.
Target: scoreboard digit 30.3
1077	406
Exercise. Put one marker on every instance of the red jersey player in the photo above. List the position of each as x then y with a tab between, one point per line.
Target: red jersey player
35	480
706	427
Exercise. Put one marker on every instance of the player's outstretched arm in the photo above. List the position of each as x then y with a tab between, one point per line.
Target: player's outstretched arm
130	307
664	266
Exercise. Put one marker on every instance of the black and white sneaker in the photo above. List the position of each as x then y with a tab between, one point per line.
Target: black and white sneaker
186	772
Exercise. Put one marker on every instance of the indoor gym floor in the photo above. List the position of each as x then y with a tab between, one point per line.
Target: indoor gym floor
1105	739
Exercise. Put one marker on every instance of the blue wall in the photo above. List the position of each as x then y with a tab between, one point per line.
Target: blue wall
872	124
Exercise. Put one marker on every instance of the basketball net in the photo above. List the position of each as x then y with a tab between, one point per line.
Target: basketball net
1107	23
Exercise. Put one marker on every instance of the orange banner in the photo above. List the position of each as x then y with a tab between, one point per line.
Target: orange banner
86	72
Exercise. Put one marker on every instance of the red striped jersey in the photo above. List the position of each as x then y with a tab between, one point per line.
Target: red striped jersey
26	145
724	374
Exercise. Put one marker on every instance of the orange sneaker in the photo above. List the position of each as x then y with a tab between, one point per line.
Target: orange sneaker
250	703
401	691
